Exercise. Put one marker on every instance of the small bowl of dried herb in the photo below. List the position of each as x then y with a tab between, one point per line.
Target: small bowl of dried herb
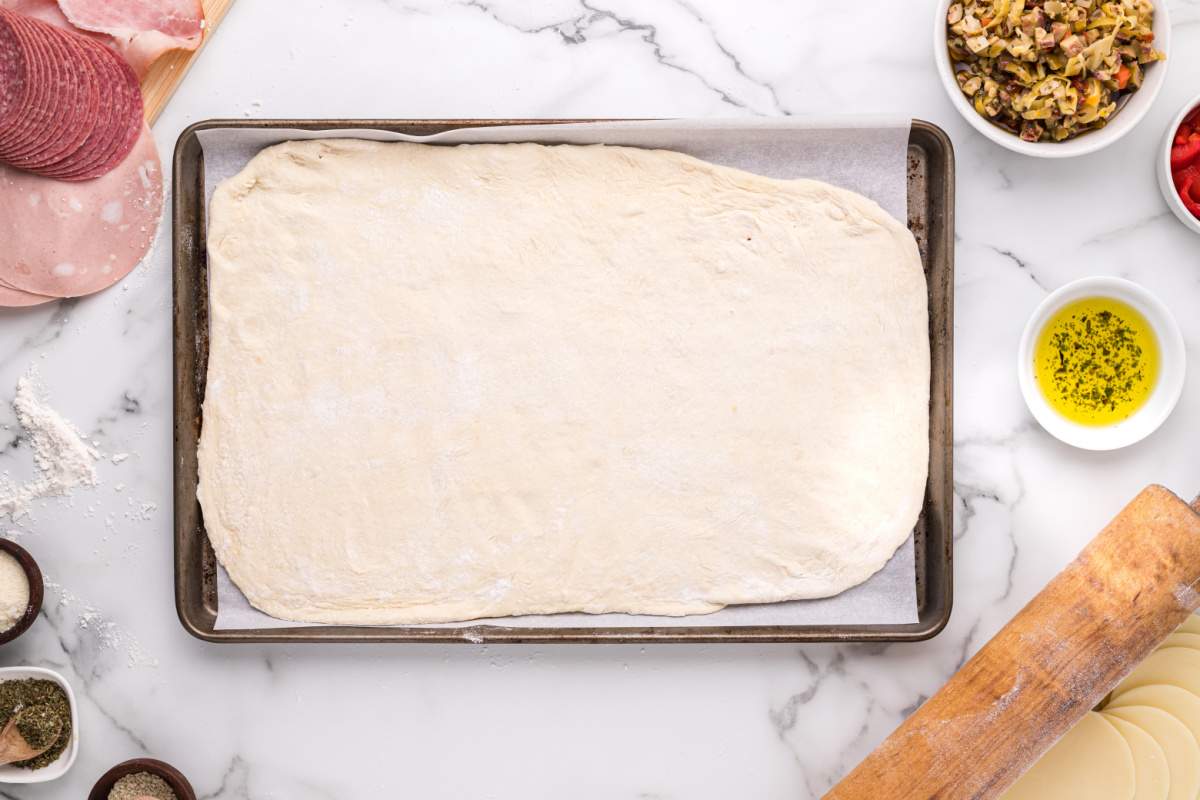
21	590
140	778
58	720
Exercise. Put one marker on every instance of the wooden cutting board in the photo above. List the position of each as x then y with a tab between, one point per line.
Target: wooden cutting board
166	73
1135	583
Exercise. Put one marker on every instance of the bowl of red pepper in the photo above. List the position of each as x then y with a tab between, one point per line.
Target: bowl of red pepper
1179	166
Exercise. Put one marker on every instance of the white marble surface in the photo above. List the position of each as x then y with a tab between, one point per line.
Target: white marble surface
302	723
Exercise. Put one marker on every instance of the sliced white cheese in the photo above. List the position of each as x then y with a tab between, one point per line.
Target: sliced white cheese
1092	760
1181	749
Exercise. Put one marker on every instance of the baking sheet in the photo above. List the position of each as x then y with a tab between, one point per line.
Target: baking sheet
867	155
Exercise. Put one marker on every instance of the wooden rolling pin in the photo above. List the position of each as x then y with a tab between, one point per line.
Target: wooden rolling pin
1135	583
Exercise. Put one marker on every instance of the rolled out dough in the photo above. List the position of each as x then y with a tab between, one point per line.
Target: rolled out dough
1091	760
447	383
1190	625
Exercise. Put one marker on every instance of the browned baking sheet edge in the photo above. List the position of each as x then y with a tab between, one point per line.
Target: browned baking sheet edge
931	218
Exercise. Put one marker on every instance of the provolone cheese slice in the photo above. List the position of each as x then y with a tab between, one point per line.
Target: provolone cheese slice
1152	775
1182	639
1179	703
1177	743
1175	666
1092	760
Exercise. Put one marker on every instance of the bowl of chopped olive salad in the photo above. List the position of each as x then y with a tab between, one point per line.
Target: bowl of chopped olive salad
1101	363
1052	78
57	721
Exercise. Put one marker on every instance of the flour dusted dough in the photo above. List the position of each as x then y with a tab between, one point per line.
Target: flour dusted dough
457	382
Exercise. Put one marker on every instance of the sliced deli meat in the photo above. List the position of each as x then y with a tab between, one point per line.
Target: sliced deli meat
140	51
74	110
13	70
15	298
30	108
74	95
48	11
65	239
142	29
117	128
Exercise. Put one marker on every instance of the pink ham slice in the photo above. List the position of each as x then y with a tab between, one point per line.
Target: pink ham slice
65	239
139	47
143	29
15	298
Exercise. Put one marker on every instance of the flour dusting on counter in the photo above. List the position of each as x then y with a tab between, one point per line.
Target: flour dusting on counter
94	632
62	459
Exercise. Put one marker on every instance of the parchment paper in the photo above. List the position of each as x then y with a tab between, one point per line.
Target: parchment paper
867	155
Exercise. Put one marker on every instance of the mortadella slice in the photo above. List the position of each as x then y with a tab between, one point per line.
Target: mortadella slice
65	239
15	298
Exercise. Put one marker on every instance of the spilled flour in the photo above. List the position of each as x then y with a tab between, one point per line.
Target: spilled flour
94	636
63	460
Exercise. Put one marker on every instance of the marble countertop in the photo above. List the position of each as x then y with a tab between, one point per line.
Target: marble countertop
359	722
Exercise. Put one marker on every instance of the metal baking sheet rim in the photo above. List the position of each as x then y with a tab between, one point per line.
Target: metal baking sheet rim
930	217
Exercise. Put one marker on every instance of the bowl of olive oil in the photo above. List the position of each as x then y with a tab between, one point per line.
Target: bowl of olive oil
1101	363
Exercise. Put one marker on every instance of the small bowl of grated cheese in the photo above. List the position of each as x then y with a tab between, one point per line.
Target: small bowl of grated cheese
21	590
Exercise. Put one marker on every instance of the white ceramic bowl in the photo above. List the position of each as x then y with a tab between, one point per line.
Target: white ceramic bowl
11	774
1166	392
1121	122
1165	183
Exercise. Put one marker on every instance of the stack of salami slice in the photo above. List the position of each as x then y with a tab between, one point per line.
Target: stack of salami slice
81	185
70	108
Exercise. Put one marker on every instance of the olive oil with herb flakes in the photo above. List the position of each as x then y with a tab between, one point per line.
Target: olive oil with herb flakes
1096	361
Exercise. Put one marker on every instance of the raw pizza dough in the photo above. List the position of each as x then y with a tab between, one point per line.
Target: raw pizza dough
1091	760
448	383
1178	744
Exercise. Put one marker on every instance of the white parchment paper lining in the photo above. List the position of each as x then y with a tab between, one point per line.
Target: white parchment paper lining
867	155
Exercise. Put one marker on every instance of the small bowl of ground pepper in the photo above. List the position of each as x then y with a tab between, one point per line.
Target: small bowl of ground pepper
24	687
21	590
1101	363
142	777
